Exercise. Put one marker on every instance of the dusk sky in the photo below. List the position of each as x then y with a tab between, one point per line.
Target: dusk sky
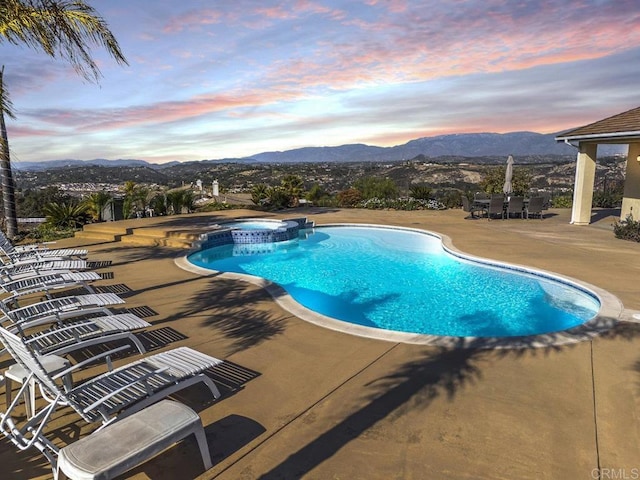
211	80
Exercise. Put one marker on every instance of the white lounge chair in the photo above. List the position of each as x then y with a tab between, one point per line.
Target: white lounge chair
120	392
47	282
57	309
72	336
116	448
122	446
21	254
29	269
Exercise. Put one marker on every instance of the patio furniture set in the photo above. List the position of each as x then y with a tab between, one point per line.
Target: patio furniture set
42	322
499	205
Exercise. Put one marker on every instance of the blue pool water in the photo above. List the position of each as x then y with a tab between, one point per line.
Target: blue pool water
404	280
253	225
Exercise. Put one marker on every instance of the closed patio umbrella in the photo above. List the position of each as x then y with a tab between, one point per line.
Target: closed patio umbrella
508	176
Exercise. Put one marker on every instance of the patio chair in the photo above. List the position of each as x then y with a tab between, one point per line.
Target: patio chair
46	282
29	269
467	206
515	206
69	336
122	446
16	257
115	449
546	200
38	249
120	392
56	309
27	246
496	207
72	336
535	207
480	196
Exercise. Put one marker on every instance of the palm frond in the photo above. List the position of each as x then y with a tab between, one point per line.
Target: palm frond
66	29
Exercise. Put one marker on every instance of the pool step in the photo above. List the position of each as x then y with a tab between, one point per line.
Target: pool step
143	236
132	233
108	231
157	237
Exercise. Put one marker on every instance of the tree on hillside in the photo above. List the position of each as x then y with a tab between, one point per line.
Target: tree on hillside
374	187
293	186
259	193
30	202
60	29
493	181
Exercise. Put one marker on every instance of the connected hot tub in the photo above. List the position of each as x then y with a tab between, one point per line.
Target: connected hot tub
253	231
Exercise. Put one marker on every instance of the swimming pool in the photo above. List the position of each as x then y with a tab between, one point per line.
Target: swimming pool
403	280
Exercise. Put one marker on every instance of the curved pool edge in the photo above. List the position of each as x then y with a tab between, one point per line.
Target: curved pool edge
610	312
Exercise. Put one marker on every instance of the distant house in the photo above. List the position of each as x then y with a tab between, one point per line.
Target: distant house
623	128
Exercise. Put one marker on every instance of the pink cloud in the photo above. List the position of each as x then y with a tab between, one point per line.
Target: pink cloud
20	131
162	112
414	46
193	19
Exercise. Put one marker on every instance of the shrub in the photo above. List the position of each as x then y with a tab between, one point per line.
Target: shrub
217	206
611	199
181	200
158	204
259	193
315	193
420	192
452	198
400	204
629	229
278	197
95	204
349	197
374	187
66	215
562	201
48	233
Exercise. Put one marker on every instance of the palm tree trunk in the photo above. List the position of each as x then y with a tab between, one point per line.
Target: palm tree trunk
8	188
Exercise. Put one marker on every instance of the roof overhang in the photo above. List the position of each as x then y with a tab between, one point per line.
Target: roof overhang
601	138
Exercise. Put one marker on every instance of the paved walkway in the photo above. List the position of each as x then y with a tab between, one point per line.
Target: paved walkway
301	401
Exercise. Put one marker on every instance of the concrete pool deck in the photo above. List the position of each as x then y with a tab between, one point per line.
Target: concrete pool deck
300	401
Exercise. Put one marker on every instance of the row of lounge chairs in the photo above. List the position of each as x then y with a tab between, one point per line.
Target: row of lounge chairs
129	402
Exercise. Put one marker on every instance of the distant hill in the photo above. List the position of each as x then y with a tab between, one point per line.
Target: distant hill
523	144
519	144
99	162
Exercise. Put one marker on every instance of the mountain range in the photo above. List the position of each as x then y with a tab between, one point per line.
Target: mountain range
519	144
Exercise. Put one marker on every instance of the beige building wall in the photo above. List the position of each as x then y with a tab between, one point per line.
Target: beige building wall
631	200
583	188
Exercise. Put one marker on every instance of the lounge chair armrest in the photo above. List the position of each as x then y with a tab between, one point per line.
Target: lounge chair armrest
58	330
88	361
53	317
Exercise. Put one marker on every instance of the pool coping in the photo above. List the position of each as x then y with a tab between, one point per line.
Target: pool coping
611	308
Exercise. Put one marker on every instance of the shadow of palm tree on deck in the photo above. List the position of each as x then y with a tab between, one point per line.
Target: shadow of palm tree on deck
232	309
438	372
444	372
